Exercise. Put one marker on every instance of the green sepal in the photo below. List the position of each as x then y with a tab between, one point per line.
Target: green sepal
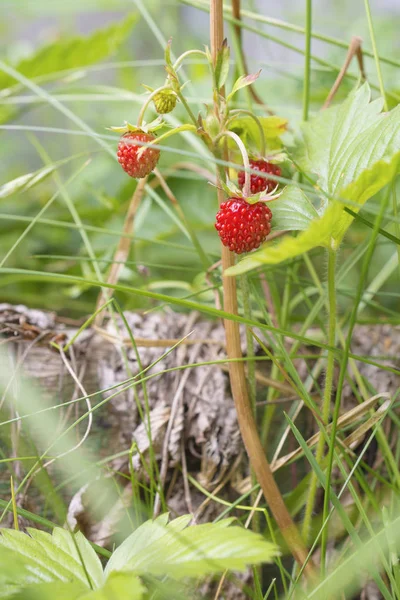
221	70
292	211
127	128
168	53
230	189
145	127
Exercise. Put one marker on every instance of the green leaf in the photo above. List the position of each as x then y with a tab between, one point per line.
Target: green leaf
53	557
318	234
23	183
13	573
167	54
144	535
72	53
79	548
222	65
368	184
51	591
243	81
354	149
117	587
330	135
292	210
180	523
159	549
273	128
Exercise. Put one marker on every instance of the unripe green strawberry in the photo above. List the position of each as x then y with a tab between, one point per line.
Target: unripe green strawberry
164	101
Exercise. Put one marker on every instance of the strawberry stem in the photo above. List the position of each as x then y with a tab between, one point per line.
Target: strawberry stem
246	420
187	107
258	123
182	57
245	157
147	102
166	135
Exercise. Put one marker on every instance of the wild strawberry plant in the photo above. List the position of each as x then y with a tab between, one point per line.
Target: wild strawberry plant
222	126
348	153
314	187
62	565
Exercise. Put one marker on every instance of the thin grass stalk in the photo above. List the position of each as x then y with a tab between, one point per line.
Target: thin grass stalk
353	318
285	44
378	59
307	61
122	252
375	52
286	26
327	393
240	394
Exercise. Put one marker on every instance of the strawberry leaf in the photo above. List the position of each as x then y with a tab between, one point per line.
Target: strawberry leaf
158	548
292	210
167	54
24	182
65	54
273	128
57	557
51	591
117	587
368	184
354	149
317	234
243	82
222	65
72	53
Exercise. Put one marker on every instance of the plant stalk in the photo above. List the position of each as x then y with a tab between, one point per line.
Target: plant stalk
149	99
182	57
245	158
243	111
187	107
326	401
354	50
122	252
307	60
247	424
376	55
166	135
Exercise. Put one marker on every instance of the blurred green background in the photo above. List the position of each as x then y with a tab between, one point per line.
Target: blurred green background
99	81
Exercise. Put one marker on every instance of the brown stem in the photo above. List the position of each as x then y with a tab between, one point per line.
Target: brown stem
247	424
354	50
122	252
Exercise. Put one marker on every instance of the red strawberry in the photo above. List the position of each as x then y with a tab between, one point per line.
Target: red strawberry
138	161
259	184
242	226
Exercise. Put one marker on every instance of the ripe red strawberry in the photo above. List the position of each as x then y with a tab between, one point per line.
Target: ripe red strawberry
138	161
242	226
259	184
